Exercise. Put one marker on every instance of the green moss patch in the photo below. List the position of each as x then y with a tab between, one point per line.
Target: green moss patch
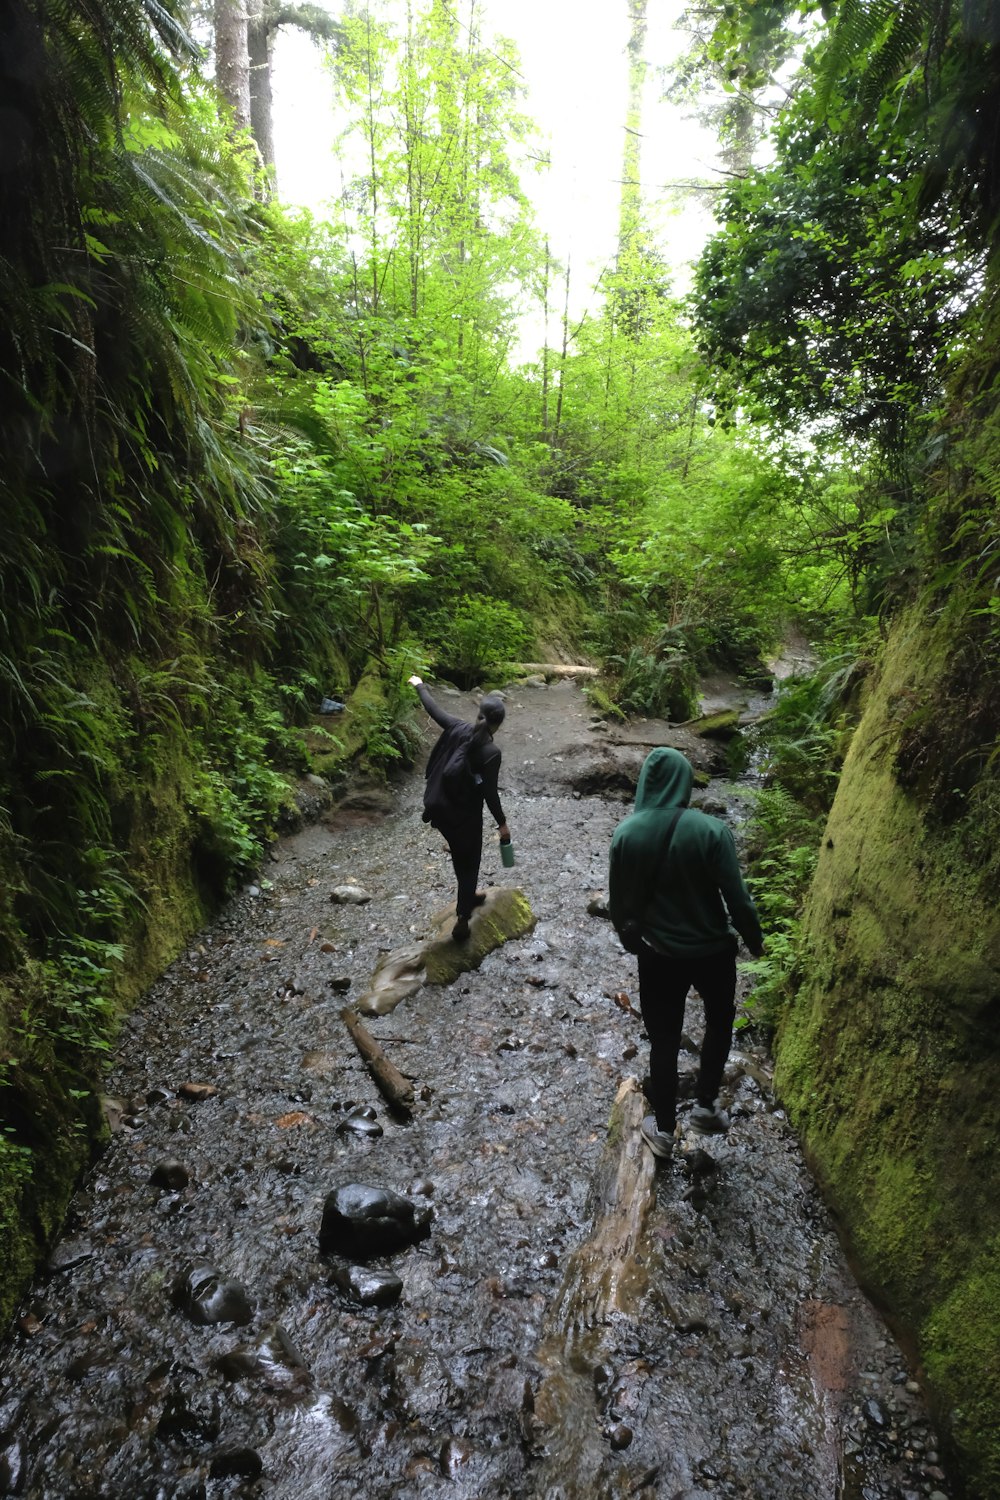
886	1056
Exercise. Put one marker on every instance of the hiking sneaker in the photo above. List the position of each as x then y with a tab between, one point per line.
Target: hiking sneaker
659	1142
460	931
709	1119
479	899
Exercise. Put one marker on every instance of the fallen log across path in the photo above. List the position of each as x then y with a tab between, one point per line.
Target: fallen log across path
394	1085
556	668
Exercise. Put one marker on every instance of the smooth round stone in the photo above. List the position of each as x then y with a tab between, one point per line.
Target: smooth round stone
172	1175
370	1287
358	1122
359	1221
206	1296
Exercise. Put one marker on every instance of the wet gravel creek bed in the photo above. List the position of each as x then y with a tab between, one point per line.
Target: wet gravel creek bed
753	1366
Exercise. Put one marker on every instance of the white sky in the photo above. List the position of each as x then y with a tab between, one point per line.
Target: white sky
574	64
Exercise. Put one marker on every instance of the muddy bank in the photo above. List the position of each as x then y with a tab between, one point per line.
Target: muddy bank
745	1364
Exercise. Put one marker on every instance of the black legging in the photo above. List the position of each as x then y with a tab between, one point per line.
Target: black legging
465	843
664	981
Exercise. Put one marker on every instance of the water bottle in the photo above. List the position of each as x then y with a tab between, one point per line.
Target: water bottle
506	853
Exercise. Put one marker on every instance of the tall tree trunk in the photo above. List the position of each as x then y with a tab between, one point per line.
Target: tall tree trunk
259	37
630	210
232	58
563	354
545	343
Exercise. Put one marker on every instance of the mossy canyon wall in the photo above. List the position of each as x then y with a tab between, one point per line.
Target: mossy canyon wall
887	1056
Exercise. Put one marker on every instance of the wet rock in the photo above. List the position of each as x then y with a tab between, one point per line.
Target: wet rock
875	1413
159	1095
189	1412
114	1112
340	982
172	1175
13	1469
236	1463
67	1255
205	1296
360	1221
698	1163
271	1358
368	800
360	1123
598	907
620	1437
372	1288
349	895
197	1091
455	1454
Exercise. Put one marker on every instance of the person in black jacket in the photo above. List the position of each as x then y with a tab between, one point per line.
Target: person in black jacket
462	774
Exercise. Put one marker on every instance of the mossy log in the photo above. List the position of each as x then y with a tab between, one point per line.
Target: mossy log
439	959
724	725
393	1085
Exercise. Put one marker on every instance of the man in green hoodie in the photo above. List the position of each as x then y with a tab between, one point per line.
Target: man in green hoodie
681	896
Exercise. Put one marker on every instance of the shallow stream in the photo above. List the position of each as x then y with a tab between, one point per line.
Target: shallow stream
749	1365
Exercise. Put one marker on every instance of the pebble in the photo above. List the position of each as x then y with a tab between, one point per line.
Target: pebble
358	1123
371	1288
196	1092
349	895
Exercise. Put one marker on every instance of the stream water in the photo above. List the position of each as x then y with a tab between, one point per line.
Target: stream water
750	1365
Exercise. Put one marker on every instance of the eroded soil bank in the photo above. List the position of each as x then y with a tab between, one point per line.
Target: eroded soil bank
743	1362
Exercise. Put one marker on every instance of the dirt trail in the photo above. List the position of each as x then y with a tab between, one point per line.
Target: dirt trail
745	1362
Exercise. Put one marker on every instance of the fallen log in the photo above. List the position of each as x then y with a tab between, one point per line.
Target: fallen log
602	1275
605	1277
393	1084
556	668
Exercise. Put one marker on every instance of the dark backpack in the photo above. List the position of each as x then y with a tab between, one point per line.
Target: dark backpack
452	783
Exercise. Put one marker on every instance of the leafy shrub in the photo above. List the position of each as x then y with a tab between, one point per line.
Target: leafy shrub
805	736
481	633
662	686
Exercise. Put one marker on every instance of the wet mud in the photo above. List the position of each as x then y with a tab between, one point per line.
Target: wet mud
206	1328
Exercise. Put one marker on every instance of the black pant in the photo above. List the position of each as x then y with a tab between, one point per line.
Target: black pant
465	843
664	981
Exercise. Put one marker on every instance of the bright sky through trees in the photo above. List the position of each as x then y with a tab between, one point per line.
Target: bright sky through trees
574	69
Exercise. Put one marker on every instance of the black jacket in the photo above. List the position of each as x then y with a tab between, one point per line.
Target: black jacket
484	762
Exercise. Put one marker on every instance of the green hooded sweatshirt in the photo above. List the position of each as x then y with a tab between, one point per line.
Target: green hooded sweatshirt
679	906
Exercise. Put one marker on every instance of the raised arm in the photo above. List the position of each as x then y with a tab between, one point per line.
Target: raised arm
439	716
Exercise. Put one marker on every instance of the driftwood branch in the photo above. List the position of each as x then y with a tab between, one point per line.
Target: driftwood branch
393	1084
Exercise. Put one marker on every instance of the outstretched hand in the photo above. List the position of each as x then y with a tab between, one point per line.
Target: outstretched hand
415	681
